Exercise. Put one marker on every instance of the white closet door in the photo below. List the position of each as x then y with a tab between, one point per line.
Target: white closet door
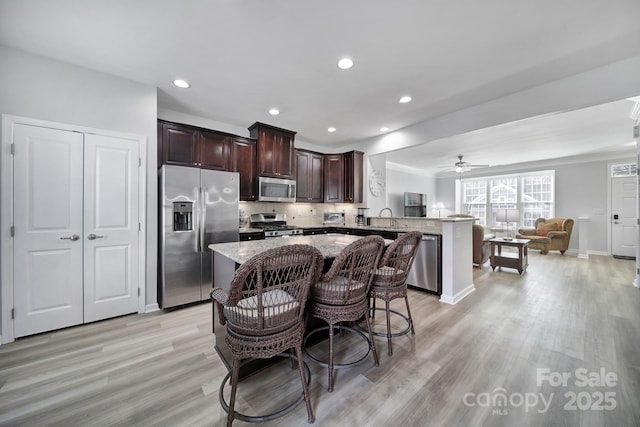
111	227
48	253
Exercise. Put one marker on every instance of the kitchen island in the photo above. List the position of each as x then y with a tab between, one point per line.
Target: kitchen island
227	257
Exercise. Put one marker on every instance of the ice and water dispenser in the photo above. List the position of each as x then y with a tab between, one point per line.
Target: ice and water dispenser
182	216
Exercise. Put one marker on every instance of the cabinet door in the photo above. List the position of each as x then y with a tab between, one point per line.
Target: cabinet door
303	185
267	148
316	177
285	156
243	161
333	178
214	151
180	145
353	169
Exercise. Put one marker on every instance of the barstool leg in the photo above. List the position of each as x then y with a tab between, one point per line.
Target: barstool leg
373	344
388	312
373	316
406	300
305	387
234	385
330	385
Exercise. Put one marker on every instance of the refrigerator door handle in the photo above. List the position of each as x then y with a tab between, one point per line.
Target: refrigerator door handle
202	220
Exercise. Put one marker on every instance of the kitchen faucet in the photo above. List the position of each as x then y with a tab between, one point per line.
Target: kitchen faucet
385	209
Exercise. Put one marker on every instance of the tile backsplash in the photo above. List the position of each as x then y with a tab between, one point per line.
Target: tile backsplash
301	214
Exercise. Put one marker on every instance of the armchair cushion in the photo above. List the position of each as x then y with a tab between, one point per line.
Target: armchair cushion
544	229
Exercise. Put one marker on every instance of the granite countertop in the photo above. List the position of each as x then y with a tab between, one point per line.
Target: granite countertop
329	245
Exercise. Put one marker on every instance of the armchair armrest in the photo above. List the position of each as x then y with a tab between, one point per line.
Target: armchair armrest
219	295
527	231
220	298
557	235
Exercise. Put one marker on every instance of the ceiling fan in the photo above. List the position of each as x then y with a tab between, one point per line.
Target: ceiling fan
461	166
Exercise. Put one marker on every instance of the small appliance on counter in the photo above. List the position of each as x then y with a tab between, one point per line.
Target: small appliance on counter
274	225
333	218
361	217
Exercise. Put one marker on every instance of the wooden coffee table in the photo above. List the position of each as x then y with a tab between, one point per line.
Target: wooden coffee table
519	260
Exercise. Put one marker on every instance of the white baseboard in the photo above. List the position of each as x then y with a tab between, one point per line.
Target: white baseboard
457	297
598	253
151	307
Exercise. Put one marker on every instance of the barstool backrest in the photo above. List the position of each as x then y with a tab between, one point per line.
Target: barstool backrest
268	293
349	278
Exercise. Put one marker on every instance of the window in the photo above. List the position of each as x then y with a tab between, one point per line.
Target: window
532	194
475	199
627	169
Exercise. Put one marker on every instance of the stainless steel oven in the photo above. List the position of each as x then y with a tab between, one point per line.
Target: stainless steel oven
276	189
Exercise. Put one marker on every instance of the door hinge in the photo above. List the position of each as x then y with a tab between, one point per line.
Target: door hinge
138	291
13	313
139	227
139	161
13	231
636	131
13	148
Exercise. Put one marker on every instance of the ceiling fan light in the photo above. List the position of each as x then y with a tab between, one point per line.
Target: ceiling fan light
459	169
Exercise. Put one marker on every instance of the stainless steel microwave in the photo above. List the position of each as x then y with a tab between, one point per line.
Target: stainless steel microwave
276	189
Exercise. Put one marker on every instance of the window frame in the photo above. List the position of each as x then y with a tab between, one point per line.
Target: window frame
488	208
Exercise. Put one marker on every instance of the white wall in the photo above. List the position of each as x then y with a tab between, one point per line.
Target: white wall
399	181
581	190
36	87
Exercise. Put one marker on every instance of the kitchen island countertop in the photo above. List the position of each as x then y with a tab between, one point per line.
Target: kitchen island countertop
329	245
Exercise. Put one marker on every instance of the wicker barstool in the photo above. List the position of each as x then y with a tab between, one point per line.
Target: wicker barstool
341	296
390	281
264	315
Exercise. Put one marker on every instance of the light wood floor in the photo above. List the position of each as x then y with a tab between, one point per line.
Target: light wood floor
160	369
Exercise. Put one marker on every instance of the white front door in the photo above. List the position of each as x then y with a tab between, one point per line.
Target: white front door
111	227
623	216
48	229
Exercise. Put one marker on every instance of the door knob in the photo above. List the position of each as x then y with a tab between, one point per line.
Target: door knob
94	237
73	238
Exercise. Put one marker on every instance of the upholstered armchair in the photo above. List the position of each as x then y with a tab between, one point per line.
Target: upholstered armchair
551	234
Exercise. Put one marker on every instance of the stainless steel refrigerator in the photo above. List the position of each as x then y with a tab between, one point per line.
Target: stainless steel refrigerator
197	207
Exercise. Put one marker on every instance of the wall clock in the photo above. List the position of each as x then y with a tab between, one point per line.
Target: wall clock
376	183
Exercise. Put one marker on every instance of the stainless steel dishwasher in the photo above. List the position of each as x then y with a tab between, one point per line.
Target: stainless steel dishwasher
425	273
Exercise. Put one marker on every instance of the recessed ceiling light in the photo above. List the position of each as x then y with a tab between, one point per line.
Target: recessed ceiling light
331	129
181	83
405	99
345	63
274	111
384	129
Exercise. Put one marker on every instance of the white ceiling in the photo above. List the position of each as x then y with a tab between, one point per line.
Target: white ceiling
243	57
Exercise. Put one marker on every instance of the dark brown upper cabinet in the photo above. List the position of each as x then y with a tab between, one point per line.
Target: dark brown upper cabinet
275	151
333	178
243	161
190	146
214	150
309	176
179	145
353	180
